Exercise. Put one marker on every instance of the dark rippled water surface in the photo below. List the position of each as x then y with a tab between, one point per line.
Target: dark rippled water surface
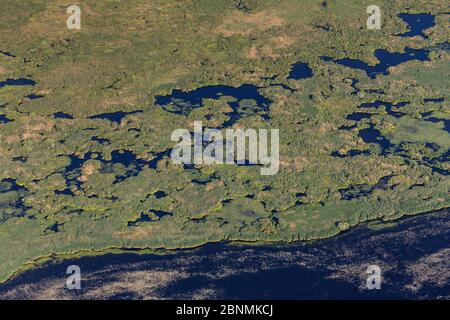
413	255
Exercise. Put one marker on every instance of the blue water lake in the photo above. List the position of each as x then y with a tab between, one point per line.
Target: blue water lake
417	23
299	71
4	119
17	82
246	100
386	60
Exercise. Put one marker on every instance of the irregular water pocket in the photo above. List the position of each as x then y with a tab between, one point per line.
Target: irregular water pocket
17	82
417	23
184	102
299	71
386	60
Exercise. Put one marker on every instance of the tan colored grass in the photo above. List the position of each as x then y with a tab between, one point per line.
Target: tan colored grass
282	41
252	53
32	130
87	170
3	70
242	24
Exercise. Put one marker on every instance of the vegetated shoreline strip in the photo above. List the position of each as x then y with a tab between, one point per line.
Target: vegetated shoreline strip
55	257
